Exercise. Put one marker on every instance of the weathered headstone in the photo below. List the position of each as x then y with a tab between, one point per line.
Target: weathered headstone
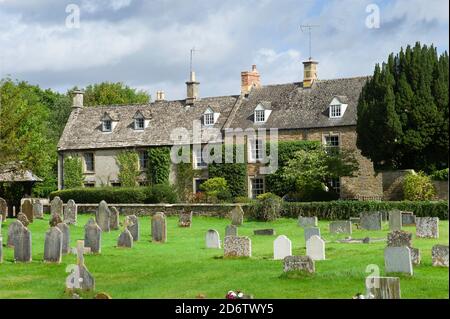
301	263
102	216
27	209
80	277
125	239
311	231
307	221
114	219
231	230
370	220
13	231
315	248
355	221
282	247
395	220
212	239
159	228
93	236
398	259
399	238
383	287
237	216
264	232
53	245
38	209
64	228
21	217
185	219
415	255
55	219
22	244
427	227
341	227
3	208
235	246
408	219
70	212
133	226
56	207
439	255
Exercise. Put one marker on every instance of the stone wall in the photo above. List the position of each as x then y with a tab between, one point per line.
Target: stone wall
441	189
393	183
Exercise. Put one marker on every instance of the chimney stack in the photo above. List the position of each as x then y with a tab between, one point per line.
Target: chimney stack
309	73
160	96
250	79
77	99
192	89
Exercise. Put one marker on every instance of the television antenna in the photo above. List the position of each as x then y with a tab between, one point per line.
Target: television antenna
191	61
308	28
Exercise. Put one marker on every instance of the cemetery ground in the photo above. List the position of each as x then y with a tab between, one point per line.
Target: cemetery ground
184	268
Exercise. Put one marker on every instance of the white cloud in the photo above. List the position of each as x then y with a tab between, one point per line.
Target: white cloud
94	6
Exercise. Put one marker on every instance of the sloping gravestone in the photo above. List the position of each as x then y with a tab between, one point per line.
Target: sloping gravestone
341	227
235	246
398	260
102	216
133	226
264	232
370	220
93	236
22	244
212	239
38	209
13	230
299	263
114	219
237	216
383	287
439	255
21	217
64	228
70	212
27	209
395	220
400	238
3	208
125	238
53	245
427	227
307	221
315	248
231	230
185	219
56	207
159	228
311	231
282	247
80	277
408	219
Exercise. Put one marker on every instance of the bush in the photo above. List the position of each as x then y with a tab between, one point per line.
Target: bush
312	195
73	172
161	193
441	175
266	208
159	165
216	189
418	187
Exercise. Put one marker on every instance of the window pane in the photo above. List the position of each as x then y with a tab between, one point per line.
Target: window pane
107	126
208	119
257	186
89	161
257	149
139	123
335	110
143	160
259	116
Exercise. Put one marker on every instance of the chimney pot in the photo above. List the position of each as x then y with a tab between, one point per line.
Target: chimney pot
160	96
250	79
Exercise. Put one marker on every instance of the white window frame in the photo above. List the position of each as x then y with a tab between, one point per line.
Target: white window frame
335	111
194	184
208	119
143	159
197	155
256	149
137	127
262	190
86	170
332	184
260	116
104	125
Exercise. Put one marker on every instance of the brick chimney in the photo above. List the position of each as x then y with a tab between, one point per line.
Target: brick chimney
309	73
77	99
192	89
160	96
250	79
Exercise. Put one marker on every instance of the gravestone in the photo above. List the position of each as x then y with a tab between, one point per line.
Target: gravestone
398	259
235	246
159	228
370	220
125	239
3	208
237	216
383	287
13	231
114	219
399	238
64	228
307	221
53	245
264	232
395	220
315	248
355	221
212	239
427	227
38	209
70	212
21	217
27	209
56	207
301	263
102	216
93	236
408	219
439	255
415	255
231	230
282	247
80	277
341	227
311	231
22	244
133	226
185	219
55	219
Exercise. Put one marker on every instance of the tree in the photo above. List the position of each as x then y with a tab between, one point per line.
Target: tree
107	93
403	111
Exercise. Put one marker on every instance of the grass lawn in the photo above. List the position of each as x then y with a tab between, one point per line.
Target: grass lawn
183	268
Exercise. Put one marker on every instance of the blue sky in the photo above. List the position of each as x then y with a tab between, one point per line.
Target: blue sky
146	44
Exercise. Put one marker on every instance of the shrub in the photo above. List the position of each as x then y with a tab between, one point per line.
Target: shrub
73	172
243	200
312	195
159	165
216	189
266	208
441	175
418	187
128	163
161	193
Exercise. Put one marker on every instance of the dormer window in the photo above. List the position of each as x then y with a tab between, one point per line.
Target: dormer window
335	111
106	125
109	121
140	121
262	112
337	107
210	117
260	116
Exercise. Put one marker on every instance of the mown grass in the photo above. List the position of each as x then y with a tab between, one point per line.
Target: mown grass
183	268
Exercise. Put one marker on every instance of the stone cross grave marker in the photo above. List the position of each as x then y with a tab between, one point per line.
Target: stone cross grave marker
307	221
237	216
159	228
383	287
65	229
53	245
212	239
395	220
370	220
439	255
38	209
70	212
114	219
80	277
185	219
398	259
22	244
282	247
102	216
235	246
341	227
133	226
301	263
311	231
231	230
315	248
27	209
93	236
427	227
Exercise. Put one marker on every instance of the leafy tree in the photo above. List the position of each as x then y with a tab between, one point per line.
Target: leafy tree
216	189
73	172
107	93
403	111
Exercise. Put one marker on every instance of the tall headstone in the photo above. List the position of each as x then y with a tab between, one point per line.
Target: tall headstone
383	287
22	244
70	212
299	263
398	260
38	209
133	226
370	220
341	227
27	209
307	221
427	227
231	230
13	230
56	207
125	238
185	219
235	246
282	247
395	220
64	228
93	236
55	219
315	248
114	219
311	231
159	228
237	216
53	245
212	239
102	216
439	255
3	208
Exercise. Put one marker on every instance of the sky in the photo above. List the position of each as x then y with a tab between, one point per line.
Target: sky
146	44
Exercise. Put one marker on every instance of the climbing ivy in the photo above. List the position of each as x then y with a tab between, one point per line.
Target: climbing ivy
128	163
73	172
158	165
185	174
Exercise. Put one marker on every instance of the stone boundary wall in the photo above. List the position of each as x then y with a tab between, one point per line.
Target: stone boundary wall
441	189
393	184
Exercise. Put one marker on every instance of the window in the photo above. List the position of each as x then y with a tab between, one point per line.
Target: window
335	111
115	184
107	125
197	183
260	116
89	162
208	119
335	185
257	148
143	160
139	123
332	141
257	186
89	184
199	161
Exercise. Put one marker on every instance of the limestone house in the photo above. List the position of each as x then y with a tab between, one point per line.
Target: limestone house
313	109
